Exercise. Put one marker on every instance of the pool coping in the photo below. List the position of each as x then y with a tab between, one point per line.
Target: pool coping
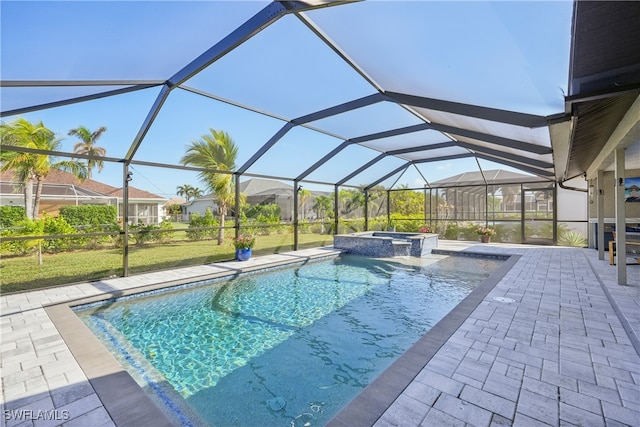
129	405
371	403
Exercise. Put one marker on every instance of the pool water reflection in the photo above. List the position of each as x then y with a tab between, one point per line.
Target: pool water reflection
290	346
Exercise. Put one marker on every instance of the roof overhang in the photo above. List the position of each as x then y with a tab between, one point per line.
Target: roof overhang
604	85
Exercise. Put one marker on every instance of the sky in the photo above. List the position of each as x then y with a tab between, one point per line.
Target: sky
509	55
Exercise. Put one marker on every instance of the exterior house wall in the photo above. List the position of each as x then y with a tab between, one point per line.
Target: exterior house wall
632	210
142	212
199	206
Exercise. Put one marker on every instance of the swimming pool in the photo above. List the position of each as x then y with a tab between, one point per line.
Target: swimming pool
290	346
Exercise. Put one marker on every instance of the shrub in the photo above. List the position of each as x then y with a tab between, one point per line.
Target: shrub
572	238
405	223
90	217
27	227
469	231
53	225
269	214
452	231
196	224
10	215
507	233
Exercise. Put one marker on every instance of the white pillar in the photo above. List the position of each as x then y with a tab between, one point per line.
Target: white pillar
621	247
600	213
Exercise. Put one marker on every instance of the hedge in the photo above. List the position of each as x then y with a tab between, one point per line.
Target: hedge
90	215
10	215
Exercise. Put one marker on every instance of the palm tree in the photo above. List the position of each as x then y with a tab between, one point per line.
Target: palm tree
87	146
216	151
195	193
188	192
30	167
323	206
304	195
184	191
20	163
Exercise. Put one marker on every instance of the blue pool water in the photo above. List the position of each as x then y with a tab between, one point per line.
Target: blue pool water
286	347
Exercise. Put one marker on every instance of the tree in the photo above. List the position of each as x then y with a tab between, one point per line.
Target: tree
407	202
183	190
304	195
188	192
20	163
218	152
87	146
32	167
195	193
351	200
323	206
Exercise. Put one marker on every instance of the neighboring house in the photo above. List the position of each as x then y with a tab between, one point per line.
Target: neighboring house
266	192
63	188
179	201
199	206
258	192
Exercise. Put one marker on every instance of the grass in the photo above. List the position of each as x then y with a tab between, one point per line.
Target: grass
21	273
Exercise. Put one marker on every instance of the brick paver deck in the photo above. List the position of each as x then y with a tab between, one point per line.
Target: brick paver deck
559	348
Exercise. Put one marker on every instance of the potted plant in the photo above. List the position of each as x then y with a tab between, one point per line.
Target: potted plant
243	244
485	233
425	229
391	225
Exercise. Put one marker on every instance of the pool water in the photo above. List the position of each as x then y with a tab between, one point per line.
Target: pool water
285	347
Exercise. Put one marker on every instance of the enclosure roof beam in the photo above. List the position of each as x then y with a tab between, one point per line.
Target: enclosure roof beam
494	139
441	158
341	108
69	101
275	138
539	172
323	160
148	121
328	112
255	110
389	133
338	50
361	168
64	83
498	153
268	15
486	113
393	172
422	148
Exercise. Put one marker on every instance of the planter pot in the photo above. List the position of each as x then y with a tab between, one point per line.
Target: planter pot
485	238
243	254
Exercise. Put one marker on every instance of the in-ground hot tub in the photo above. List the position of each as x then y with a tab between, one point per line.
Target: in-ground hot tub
386	244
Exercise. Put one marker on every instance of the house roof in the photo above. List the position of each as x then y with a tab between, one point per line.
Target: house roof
496	176
59	182
257	186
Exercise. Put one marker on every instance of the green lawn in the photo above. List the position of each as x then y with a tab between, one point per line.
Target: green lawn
20	273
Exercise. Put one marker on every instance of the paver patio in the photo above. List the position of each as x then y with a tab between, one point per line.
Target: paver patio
559	346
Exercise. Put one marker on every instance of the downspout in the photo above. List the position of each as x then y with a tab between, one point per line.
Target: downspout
566	187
